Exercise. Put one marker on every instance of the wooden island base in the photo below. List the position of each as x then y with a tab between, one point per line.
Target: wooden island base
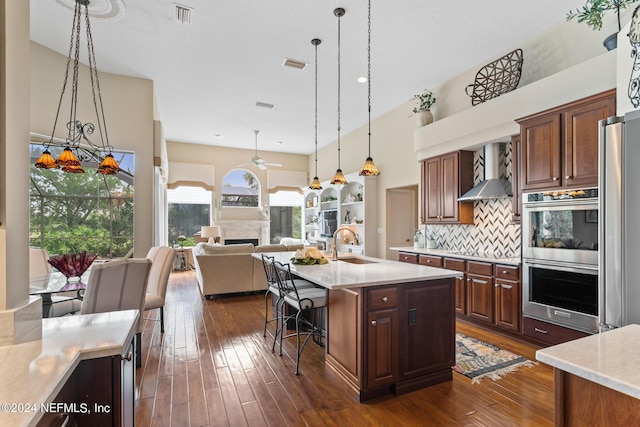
580	402
392	339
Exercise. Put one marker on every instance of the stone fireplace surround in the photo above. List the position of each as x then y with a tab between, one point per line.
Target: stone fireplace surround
244	229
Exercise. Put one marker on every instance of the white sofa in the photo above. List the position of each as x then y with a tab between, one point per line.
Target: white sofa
231	269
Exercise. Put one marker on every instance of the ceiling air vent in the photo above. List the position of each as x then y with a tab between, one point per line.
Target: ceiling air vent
264	105
184	14
294	64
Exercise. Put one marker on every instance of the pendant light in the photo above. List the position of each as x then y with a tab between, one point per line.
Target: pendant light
339	178
315	184
77	132
369	168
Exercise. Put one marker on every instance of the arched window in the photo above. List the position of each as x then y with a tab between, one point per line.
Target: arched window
241	188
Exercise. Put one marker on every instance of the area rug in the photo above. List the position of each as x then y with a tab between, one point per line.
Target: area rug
476	359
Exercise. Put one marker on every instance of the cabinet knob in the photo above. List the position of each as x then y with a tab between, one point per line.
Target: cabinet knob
385	299
555	178
568	177
505	272
468	280
128	357
428	261
497	285
374	323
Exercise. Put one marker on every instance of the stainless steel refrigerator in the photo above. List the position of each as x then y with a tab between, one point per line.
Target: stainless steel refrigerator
619	222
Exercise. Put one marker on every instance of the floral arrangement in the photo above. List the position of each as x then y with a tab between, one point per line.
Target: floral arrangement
309	256
424	101
72	265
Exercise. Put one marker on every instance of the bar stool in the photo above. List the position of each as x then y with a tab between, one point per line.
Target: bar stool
274	290
301	301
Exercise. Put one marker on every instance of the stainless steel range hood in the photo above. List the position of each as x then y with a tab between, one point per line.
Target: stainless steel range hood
493	186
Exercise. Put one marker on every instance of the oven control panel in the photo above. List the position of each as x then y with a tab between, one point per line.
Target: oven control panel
586	193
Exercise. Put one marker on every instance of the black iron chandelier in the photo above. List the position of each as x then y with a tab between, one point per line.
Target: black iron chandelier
77	146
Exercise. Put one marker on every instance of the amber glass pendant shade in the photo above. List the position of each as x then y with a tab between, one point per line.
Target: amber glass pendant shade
315	184
109	166
73	169
369	168
67	158
338	178
46	161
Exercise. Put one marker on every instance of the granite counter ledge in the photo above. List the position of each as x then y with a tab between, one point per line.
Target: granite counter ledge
377	272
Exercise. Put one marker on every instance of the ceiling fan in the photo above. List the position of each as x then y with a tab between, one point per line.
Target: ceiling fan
258	161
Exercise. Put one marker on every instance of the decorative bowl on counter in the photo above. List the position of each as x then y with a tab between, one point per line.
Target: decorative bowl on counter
72	265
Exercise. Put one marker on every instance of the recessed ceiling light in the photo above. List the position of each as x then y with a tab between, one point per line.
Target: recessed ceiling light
362	79
218	135
299	65
265	105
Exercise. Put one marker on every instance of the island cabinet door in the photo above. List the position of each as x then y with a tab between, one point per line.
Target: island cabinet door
427	319
381	348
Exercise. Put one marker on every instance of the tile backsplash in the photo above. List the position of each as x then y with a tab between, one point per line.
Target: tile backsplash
492	230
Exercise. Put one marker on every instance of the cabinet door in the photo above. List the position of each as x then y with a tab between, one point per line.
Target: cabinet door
432	190
581	141
382	348
461	295
507	303
516	200
427	342
480	297
541	152
450	185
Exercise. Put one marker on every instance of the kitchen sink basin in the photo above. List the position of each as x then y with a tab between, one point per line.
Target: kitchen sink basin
354	260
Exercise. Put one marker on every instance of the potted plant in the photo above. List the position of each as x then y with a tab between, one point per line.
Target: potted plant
593	11
424	101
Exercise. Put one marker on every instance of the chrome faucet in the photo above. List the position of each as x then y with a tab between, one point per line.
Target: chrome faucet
334	252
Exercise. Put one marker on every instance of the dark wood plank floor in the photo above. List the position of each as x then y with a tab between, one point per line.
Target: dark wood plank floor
212	367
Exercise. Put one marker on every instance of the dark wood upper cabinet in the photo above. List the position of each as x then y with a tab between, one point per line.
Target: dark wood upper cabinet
559	147
444	179
581	141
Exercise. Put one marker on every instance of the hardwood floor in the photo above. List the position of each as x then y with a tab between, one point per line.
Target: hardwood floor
212	367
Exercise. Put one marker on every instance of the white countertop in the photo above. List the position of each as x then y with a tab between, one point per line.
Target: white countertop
610	359
35	372
342	274
486	257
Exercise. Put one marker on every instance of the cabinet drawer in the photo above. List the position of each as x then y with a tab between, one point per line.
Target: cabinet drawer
407	257
508	272
454	264
483	268
431	261
548	332
382	298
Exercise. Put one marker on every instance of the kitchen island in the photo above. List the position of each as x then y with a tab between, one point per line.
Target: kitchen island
390	326
596	378
81	372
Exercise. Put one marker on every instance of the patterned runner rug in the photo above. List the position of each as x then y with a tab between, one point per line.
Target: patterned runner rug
476	359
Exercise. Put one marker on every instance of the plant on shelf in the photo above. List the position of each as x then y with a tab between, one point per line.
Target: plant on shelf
424	102
592	13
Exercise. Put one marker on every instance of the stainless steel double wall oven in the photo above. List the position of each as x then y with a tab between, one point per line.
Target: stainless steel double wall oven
560	258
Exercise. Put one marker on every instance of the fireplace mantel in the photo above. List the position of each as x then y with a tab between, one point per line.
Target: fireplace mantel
245	229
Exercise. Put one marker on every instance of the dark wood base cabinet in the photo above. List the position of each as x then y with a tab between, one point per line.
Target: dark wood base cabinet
401	338
100	392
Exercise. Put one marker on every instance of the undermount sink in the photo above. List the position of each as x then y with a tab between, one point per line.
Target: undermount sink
354	260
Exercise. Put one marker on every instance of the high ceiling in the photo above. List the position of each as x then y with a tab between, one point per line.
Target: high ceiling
208	75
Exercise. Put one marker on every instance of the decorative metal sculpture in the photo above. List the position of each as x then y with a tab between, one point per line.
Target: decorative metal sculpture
498	77
634	39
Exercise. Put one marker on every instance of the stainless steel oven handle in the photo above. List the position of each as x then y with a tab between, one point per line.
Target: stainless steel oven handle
566	203
569	266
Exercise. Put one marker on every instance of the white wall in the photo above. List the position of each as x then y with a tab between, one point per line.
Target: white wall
128	105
